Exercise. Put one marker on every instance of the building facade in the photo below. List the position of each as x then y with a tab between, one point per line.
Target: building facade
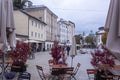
30	29
99	38
66	31
47	16
71	32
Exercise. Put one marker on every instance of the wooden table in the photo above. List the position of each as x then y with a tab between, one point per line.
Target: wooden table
58	70
115	72
59	66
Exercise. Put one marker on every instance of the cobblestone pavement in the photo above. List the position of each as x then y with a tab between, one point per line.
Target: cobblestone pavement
41	58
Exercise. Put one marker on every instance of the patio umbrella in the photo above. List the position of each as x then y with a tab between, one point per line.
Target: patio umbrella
7	30
73	51
113	27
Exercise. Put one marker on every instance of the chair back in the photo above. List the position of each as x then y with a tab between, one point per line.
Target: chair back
69	69
40	72
77	68
91	71
51	62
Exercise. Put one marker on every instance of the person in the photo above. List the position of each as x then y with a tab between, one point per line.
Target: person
68	50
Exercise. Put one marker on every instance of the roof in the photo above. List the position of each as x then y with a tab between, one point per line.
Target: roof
32	16
40	7
72	23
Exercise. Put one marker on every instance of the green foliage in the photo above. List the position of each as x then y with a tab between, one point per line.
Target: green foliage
78	38
89	39
104	37
19	3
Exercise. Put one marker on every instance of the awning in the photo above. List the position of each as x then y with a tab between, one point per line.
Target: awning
31	41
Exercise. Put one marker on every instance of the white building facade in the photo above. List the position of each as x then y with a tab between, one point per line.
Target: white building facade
47	16
66	31
33	28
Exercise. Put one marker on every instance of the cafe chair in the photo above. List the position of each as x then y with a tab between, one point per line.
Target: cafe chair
91	73
58	74
42	75
24	75
66	73
116	67
74	72
50	62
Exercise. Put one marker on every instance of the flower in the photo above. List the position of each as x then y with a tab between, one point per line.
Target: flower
21	51
55	52
103	57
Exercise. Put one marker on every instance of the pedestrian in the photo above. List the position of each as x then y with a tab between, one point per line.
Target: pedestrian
68	50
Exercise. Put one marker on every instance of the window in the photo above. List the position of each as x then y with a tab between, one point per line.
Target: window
41	27
41	35
36	24
35	34
40	18
32	23
32	34
38	35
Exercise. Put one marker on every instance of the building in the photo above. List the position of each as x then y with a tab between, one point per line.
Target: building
30	29
47	16
65	32
71	31
99	38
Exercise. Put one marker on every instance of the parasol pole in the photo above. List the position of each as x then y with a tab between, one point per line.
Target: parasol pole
3	66
72	56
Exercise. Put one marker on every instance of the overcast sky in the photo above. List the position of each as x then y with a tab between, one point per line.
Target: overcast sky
86	14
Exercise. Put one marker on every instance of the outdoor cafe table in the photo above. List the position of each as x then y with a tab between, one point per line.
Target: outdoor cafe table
115	72
7	63
59	69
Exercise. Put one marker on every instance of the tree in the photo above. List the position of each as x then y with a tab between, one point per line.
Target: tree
78	38
104	37
19	3
89	39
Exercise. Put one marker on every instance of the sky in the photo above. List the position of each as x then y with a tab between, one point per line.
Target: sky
86	14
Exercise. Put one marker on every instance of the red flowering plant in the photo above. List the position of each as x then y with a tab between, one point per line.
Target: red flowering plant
21	52
55	52
102	57
1	52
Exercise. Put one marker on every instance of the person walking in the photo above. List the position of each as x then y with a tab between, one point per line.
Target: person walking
68	50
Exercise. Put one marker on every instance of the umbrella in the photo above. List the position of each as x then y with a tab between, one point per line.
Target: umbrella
113	27
7	30
73	51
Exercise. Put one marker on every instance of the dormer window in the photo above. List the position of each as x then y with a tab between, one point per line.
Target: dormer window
40	18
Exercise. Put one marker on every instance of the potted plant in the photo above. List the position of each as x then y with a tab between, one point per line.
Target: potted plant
19	56
55	52
102	57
